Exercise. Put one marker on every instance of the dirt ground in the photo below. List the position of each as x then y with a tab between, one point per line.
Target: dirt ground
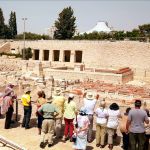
30	140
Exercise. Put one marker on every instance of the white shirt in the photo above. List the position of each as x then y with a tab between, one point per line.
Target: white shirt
89	105
113	120
101	115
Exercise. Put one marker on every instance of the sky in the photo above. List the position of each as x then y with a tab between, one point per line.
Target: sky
41	14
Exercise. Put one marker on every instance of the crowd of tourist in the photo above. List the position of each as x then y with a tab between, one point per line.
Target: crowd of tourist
78	124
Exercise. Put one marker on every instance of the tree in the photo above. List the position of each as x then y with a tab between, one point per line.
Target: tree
65	25
13	24
7	32
33	36
145	29
2	24
28	53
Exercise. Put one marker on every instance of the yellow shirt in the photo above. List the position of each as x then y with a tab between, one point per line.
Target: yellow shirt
59	101
26	100
70	110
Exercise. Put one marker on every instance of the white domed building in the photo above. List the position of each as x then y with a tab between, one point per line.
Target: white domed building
101	26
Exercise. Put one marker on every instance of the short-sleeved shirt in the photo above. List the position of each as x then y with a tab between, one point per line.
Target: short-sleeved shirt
137	118
59	101
48	110
113	118
26	100
70	110
82	122
101	113
89	105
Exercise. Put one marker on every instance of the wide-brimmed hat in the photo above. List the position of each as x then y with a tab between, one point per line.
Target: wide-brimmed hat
114	106
27	89
71	95
83	111
57	91
49	99
8	90
90	95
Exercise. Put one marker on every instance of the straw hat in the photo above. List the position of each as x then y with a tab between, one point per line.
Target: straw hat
90	95
8	90
57	91
83	111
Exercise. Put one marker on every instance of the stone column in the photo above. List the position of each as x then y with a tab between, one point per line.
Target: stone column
33	54
24	67
61	56
72	56
41	55
50	55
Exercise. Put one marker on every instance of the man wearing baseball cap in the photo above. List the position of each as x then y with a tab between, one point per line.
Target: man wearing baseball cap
26	102
135	125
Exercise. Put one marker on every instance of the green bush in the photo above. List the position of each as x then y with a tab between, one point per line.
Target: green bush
11	54
28	53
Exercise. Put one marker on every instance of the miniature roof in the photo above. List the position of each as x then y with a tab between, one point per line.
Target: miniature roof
100	27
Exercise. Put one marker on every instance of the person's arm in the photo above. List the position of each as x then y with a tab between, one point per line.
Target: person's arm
94	105
95	113
56	112
28	99
146	119
97	96
37	103
40	111
63	105
84	128
128	123
119	115
75	109
10	102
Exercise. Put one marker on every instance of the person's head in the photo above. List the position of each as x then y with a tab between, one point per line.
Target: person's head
114	106
127	111
90	96
147	111
40	94
138	103
83	111
70	97
57	91
27	90
102	103
49	99
8	91
43	94
10	85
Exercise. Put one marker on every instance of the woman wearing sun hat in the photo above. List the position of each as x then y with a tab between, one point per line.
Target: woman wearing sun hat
89	105
113	122
81	130
58	101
